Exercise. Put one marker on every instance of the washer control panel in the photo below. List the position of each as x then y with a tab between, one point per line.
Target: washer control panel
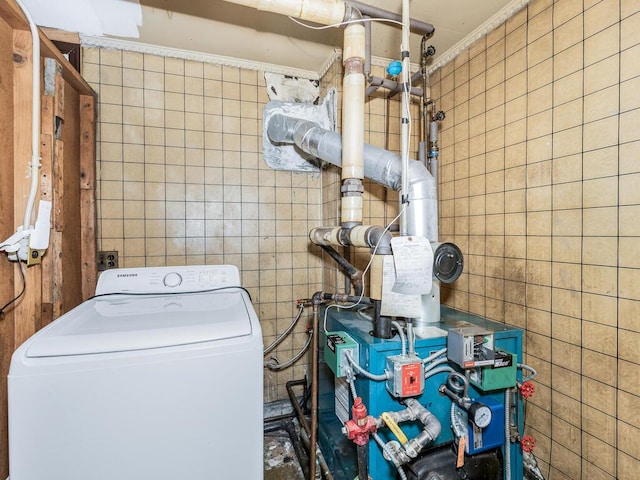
172	280
167	279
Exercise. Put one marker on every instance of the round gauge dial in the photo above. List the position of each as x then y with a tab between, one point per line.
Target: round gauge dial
480	414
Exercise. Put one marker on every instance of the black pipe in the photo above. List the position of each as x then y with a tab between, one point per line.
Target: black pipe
363	461
278	418
416	26
322	297
340	260
381	324
298	447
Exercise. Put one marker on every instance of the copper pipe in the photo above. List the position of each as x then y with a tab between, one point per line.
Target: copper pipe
314	396
304	432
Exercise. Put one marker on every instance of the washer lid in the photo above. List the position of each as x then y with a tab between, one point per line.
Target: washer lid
122	323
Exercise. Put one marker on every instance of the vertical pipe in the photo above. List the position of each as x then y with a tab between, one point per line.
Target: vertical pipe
406	79
35	117
314	396
507	434
367	40
353	96
363	461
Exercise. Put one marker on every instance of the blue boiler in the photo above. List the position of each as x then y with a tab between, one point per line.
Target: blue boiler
340	452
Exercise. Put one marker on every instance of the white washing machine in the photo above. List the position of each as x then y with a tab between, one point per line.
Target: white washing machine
158	377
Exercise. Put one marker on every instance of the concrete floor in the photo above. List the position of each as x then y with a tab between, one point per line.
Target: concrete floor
280	461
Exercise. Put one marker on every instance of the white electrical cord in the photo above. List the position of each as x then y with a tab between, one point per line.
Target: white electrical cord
364	272
35	117
342	24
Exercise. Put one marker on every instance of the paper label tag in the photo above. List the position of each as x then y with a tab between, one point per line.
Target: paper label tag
397	304
413	258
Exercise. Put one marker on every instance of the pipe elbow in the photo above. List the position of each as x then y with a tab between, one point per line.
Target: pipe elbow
352	13
379	239
281	128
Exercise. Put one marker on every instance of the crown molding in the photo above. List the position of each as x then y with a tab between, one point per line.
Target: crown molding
118	44
491	24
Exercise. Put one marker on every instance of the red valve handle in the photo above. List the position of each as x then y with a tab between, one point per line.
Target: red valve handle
528	443
527	389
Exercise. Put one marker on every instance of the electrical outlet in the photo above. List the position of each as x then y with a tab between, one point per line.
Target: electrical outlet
34	257
107	260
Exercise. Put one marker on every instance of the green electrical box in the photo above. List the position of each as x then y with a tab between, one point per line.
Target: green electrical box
501	375
336	346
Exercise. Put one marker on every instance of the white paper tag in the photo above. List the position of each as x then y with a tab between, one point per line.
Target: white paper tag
397	304
413	257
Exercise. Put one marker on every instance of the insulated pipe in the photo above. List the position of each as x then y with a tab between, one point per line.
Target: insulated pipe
353	86
381	166
326	12
374	237
416	26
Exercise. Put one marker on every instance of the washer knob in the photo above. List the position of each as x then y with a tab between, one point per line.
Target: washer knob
172	280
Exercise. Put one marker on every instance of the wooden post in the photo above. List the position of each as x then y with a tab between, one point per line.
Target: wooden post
28	310
88	195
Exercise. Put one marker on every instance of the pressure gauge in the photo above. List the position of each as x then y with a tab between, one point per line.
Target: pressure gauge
480	415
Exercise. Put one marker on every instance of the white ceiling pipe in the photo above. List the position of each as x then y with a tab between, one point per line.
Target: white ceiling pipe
332	12
326	12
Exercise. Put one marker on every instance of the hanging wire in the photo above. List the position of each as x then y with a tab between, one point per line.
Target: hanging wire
341	24
17	297
364	272
288	330
274	364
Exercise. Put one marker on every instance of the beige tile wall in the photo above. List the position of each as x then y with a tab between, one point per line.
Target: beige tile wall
539	187
182	181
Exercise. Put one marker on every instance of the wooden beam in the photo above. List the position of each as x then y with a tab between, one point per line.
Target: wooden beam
58	188
88	245
8	224
12	14
28	311
46	193
56	240
57	35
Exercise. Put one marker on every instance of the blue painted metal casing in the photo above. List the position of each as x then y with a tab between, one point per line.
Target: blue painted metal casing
481	440
340	452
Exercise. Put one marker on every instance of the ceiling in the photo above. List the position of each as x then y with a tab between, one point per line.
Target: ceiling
226	29
222	28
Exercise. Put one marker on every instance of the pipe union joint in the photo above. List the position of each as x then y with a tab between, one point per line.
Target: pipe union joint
352	187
